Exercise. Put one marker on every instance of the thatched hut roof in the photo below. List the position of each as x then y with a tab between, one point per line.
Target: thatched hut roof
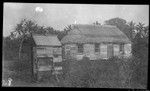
46	40
95	34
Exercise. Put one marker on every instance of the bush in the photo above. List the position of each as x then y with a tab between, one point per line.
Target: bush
86	73
114	73
140	71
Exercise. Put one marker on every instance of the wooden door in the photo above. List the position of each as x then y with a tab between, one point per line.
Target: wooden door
109	50
89	49
103	51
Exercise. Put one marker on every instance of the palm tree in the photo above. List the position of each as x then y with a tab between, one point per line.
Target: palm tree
146	30
131	25
140	28
68	28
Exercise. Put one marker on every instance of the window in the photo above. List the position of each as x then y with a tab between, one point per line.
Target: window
97	48
45	64
122	48
80	48
58	59
45	61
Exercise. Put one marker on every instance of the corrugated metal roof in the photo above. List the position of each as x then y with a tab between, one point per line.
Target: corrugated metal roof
46	40
95	33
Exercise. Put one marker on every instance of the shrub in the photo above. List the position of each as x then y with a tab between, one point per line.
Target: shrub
114	72
139	67
97	73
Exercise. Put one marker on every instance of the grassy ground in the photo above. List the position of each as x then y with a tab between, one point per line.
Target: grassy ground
21	76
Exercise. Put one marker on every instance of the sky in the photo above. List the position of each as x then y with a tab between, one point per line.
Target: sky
60	15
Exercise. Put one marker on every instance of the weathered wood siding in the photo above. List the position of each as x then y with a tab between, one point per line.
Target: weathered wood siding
57	59
106	50
44	51
53	55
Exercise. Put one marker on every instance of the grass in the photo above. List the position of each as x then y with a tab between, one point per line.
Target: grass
98	73
21	75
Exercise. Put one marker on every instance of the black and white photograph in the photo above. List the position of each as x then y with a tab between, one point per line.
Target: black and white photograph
75	45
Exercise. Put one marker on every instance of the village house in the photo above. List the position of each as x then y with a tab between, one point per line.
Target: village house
95	42
46	54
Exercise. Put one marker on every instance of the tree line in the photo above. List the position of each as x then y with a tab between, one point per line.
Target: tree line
137	33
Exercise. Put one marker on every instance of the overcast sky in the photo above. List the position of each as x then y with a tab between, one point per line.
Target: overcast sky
60	15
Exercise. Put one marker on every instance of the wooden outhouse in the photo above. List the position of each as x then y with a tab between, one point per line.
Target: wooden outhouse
96	42
46	55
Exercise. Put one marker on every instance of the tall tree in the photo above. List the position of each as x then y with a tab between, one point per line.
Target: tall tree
116	21
140	51
132	27
68	28
147	31
50	30
141	29
121	24
23	30
64	32
142	35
